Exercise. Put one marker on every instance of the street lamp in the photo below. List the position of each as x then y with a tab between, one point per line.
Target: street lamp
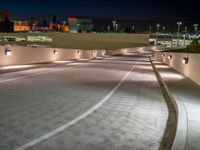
185	29
195	28
158	26
164	29
150	28
133	28
179	24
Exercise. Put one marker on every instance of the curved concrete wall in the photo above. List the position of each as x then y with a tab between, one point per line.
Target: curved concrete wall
190	70
28	55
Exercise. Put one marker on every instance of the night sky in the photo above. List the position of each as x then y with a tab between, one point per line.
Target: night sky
103	9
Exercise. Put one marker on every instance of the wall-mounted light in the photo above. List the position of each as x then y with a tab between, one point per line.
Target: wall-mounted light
103	52
169	57
78	52
185	60
55	52
163	55
8	52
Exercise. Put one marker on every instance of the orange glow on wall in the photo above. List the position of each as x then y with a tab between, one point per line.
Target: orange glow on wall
21	26
65	29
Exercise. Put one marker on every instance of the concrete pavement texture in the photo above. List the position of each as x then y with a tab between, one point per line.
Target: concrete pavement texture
186	93
15	68
132	114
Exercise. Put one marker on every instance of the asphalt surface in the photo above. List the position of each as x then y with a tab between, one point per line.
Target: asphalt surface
109	104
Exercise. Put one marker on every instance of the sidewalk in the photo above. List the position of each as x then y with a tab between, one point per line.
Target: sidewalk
187	95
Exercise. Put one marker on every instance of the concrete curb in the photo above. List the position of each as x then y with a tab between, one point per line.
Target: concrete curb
172	122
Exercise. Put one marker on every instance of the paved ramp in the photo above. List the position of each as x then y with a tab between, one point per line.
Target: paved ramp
110	104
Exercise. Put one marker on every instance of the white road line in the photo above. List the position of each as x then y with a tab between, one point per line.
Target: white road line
32	75
65	126
13	79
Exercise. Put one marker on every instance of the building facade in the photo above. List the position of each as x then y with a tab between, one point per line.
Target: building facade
80	25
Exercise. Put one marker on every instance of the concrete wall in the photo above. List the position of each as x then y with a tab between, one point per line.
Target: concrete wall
28	55
190	70
143	49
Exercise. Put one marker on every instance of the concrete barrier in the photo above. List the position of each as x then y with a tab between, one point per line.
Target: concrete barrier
190	70
28	55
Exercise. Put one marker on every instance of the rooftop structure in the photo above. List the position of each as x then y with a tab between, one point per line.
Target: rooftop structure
80	25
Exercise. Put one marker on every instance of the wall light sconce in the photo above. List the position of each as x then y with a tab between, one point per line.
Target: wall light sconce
185	60
169	57
78	52
8	52
163	55
55	52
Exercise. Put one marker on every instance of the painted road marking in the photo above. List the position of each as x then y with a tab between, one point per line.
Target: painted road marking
65	126
32	75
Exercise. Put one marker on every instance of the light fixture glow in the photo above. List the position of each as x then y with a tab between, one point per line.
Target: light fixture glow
169	57
78	52
55	52
103	52
163	55
185	60
8	52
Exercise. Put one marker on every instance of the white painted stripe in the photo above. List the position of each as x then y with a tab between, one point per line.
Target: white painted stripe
32	75
65	126
13	79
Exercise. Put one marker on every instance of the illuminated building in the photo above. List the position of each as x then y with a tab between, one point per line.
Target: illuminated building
21	26
65	28
59	27
79	25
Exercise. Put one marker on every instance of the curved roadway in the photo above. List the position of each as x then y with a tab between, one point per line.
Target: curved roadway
109	104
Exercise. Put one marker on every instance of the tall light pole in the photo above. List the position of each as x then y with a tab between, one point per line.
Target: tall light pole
108	28
114	25
185	34
150	28
133	29
163	29
158	27
185	29
179	25
195	28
